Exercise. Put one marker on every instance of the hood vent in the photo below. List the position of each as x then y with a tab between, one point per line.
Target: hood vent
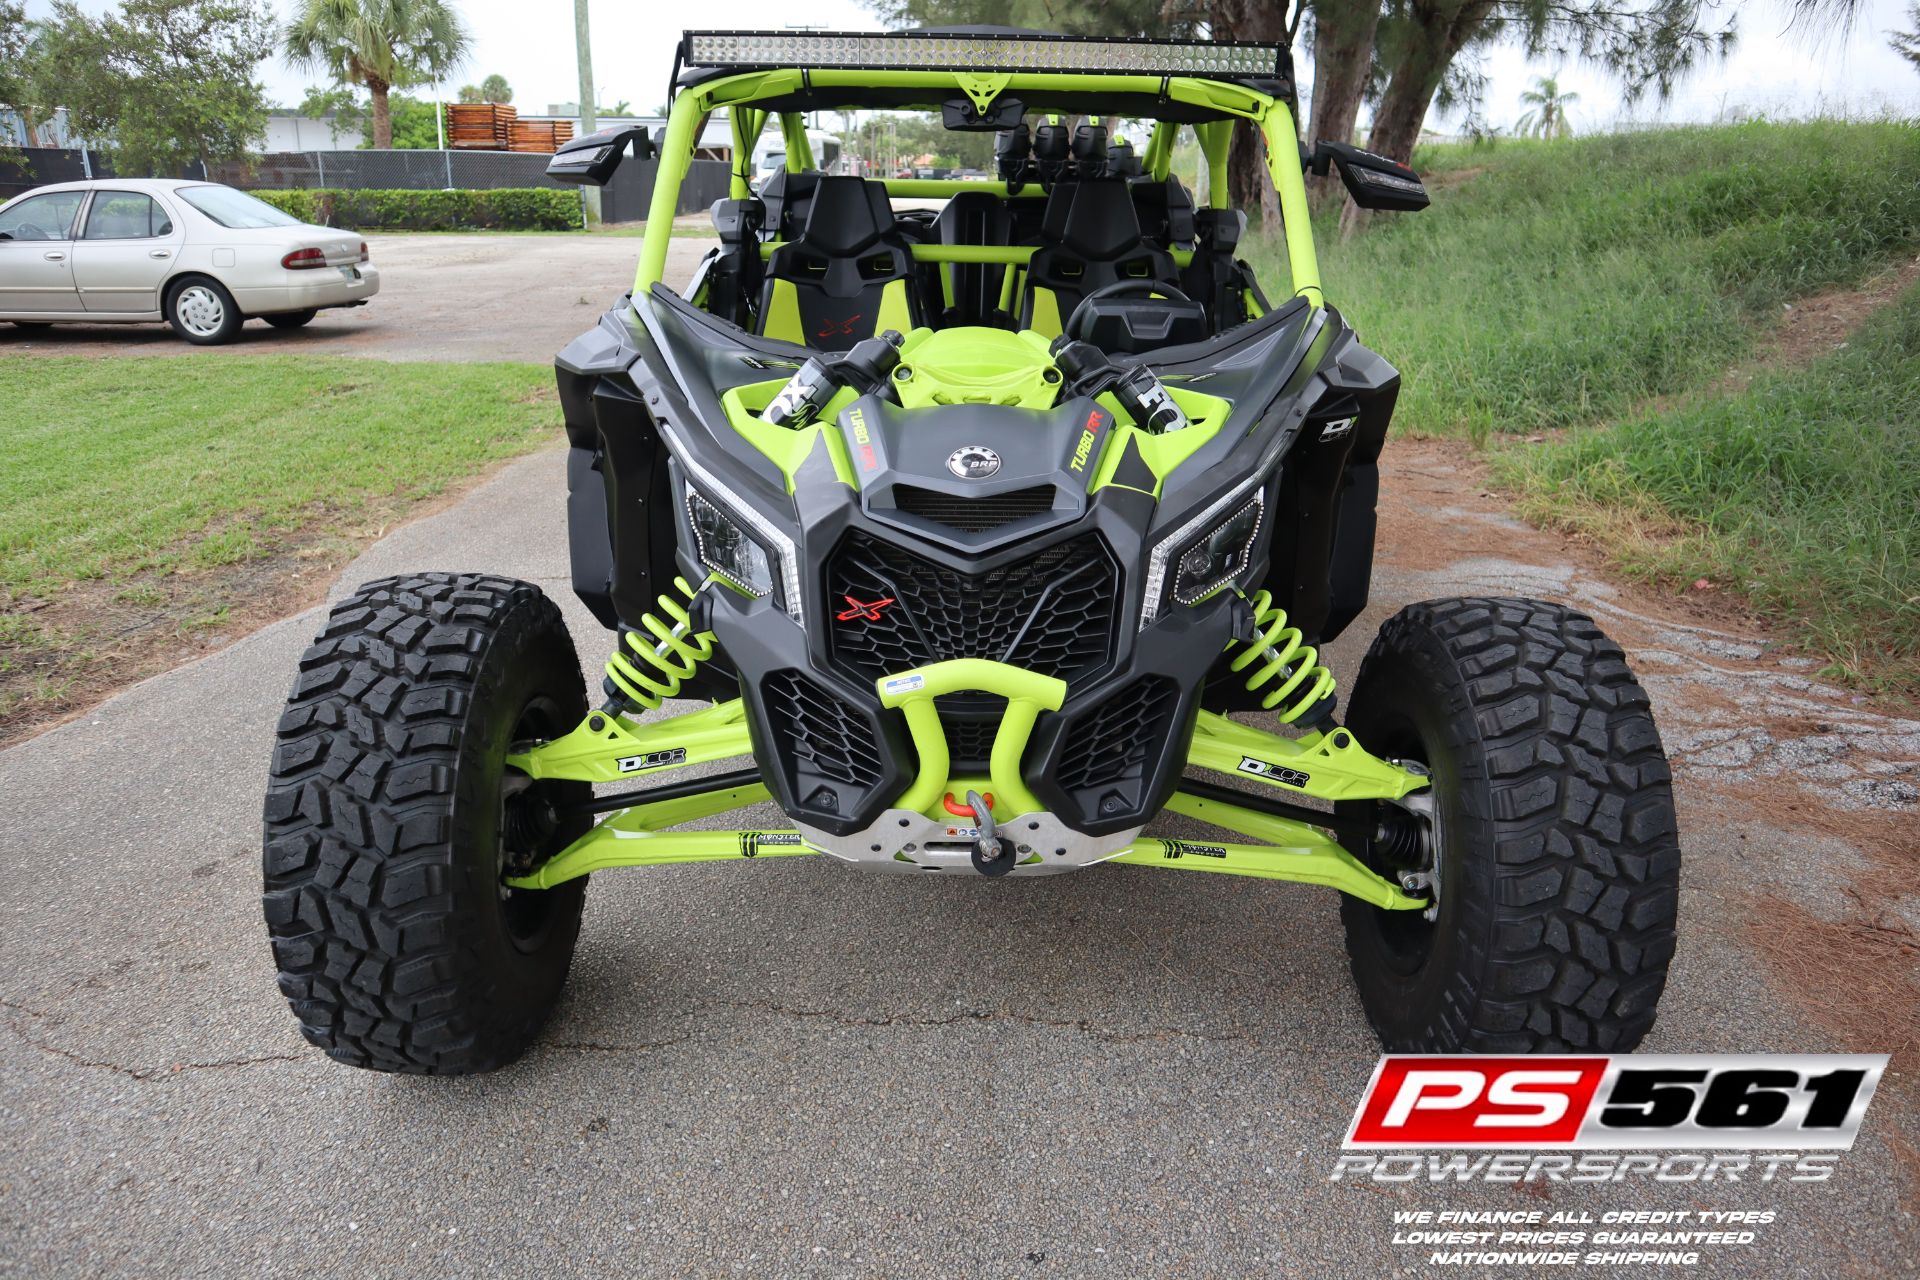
970	513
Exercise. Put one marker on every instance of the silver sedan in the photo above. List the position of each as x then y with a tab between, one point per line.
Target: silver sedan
202	257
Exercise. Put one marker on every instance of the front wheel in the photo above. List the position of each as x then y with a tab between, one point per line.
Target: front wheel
1549	836
392	822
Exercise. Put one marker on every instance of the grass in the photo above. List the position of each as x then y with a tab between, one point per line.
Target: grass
1801	490
150	502
1599	290
1556	284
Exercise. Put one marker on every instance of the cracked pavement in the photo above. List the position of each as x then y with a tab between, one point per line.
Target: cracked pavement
789	1068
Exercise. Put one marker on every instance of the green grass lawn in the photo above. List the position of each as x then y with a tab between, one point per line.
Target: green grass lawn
1802	490
142	498
115	467
1570	282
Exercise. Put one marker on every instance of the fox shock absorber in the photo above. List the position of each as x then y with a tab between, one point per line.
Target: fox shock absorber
865	367
1139	391
642	674
1298	687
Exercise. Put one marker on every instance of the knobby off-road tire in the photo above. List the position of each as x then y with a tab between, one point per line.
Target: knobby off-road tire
396	943
1559	866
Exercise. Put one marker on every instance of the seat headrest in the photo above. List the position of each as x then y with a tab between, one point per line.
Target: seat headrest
847	216
1093	218
785	196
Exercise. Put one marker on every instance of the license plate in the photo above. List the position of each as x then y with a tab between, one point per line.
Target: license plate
350	273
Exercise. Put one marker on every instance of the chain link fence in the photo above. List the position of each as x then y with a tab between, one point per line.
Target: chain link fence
626	199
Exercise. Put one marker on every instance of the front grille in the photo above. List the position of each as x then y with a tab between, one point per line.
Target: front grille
1104	761
823	744
1054	612
971	514
970	722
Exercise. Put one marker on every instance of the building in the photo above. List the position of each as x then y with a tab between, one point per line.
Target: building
288	130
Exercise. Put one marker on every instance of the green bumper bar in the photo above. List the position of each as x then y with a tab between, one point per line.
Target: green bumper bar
1027	693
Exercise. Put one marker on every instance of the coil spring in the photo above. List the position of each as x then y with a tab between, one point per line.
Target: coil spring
1306	687
676	654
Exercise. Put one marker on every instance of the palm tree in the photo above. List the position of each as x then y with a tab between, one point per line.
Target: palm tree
382	44
1547	116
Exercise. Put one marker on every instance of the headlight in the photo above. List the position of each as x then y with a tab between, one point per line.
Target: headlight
1220	557
726	550
738	543
1214	549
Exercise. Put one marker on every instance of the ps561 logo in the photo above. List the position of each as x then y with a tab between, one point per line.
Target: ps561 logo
1651	1101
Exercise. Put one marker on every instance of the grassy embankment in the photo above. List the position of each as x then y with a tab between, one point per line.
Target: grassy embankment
148	505
1599	290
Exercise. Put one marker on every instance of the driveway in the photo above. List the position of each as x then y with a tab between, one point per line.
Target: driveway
787	1068
442	297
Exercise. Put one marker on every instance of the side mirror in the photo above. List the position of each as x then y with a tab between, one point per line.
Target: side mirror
590	159
1374	182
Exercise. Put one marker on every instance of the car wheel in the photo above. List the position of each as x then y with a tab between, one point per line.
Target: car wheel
290	319
203	312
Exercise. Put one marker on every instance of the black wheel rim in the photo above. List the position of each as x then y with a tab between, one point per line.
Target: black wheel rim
1406	938
525	835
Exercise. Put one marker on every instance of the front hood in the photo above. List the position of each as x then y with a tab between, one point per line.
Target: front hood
973	475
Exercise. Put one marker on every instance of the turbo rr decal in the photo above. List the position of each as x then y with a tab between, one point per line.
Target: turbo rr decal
1084	451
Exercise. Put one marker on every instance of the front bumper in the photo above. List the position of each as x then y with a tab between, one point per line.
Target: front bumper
332	288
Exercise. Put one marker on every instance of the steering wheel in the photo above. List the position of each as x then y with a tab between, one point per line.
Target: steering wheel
30	231
1117	289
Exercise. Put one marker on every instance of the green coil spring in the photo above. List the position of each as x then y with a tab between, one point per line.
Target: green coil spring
1305	686
647	675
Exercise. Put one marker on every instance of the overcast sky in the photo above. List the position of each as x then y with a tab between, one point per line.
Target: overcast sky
1774	71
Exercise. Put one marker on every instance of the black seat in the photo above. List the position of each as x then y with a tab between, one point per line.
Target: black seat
1089	238
1214	277
1165	211
970	291
847	276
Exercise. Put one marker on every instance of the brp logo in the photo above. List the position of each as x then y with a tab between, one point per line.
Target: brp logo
973	462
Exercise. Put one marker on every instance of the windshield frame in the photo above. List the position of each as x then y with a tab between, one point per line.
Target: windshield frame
1218	103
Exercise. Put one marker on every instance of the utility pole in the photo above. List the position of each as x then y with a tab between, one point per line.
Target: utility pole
583	44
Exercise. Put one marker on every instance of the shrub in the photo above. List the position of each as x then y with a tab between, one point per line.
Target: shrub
502	209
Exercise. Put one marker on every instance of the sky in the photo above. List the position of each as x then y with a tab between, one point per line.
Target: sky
1772	71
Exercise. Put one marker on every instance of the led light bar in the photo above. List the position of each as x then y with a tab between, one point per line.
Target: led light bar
963	52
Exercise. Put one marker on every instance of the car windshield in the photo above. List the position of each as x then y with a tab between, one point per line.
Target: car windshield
235	209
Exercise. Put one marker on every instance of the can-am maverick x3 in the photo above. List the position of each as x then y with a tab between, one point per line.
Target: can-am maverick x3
977	525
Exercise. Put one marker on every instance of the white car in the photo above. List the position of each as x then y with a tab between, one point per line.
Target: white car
198	255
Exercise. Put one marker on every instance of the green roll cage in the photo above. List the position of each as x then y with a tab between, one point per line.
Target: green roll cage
738	93
609	747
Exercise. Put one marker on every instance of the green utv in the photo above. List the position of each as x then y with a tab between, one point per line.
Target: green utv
990	519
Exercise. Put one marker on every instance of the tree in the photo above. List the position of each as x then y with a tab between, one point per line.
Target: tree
339	106
1546	115
381	45
1907	43
1343	39
493	89
162	83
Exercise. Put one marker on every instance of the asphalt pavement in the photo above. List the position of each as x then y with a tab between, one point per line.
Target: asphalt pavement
773	1068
